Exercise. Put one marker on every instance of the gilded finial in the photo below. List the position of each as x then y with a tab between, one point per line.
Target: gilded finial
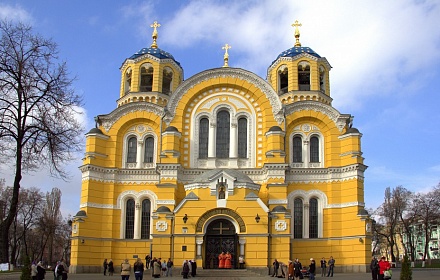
296	25
155	25
226	56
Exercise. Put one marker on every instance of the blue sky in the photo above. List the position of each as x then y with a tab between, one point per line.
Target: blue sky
385	57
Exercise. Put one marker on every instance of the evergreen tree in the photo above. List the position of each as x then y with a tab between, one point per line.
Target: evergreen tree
406	272
26	270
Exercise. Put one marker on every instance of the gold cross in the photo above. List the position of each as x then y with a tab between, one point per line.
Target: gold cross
221	228
155	25
226	56
296	25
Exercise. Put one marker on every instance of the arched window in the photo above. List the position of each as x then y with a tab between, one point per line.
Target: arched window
131	149
128	80
149	150
203	138
322	78
146	78
283	81
167	78
222	138
242	138
129	219
313	218
297	218
297	149
145	219
304	76
314	149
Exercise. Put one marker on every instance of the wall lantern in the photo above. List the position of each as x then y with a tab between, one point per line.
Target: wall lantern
257	218
185	218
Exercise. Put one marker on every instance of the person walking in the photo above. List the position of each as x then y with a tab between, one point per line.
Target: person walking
157	268
276	266
147	261
383	265
297	267
111	268
125	270
374	267
138	269
323	267
331	266
34	271
290	270
105	265
170	265
41	272
193	268
312	269
185	270
65	269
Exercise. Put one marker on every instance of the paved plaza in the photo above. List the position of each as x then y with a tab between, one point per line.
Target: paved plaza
418	274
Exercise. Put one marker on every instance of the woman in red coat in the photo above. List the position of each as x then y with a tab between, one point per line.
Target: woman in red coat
221	260
228	260
383	265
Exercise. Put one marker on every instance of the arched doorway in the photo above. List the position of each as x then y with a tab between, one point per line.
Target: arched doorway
220	237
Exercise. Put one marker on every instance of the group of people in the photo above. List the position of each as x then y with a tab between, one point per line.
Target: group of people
108	266
378	268
295	270
158	268
225	260
189	268
60	271
331	266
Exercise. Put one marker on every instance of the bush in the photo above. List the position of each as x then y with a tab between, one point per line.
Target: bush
406	272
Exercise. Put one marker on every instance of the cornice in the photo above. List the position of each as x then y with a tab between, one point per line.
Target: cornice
107	121
213	74
339	119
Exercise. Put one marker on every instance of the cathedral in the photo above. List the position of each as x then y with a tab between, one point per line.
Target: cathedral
223	161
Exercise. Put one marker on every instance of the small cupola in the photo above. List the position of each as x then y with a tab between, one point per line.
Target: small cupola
150	75
299	73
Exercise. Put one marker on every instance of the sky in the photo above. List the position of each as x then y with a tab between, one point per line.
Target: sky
385	58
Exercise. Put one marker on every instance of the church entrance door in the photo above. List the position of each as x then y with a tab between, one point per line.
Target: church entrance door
220	237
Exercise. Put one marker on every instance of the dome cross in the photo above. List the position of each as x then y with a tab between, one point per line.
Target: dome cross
155	25
297	34
226	47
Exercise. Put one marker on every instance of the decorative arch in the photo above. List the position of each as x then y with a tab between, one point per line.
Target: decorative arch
247	76
225	213
137	196
305	196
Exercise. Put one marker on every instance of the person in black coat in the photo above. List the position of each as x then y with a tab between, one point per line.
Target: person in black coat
41	272
193	268
312	269
185	270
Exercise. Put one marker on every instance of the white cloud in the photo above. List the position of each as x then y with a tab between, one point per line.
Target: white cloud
14	13
372	45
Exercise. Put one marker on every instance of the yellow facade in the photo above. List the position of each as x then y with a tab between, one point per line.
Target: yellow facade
223	161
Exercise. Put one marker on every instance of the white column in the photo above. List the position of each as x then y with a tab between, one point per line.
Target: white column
305	151
139	154
233	147
242	242
306	220
137	221
211	140
199	243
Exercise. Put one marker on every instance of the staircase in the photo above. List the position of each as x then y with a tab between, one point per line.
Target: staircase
229	274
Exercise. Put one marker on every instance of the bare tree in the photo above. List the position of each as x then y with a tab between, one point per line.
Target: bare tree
29	212
38	110
389	217
429	213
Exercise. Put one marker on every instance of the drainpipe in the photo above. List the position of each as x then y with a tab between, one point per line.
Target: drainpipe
269	239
